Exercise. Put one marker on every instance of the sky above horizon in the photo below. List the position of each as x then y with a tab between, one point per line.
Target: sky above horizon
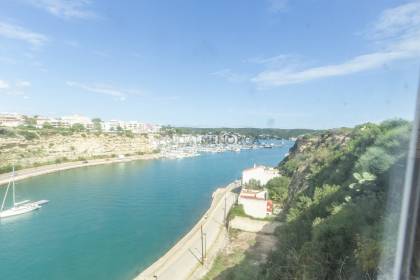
239	63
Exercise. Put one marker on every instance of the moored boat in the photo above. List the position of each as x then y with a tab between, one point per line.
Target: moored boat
20	207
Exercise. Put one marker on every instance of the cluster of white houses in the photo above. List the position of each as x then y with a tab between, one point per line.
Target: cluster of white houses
255	201
14	120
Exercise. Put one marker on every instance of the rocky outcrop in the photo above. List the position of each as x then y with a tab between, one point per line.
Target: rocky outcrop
308	153
51	148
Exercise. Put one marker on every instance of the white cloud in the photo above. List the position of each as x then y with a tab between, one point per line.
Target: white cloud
397	21
66	8
16	32
285	62
271	60
23	84
102	89
16	89
72	43
354	65
229	75
397	31
4	85
277	5
166	98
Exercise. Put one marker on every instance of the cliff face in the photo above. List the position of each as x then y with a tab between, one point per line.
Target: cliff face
52	148
308	155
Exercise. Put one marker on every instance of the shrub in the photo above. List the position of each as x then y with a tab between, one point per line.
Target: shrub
278	189
9	168
29	135
7	133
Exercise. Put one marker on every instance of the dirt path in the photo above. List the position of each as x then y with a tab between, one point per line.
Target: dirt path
251	225
246	251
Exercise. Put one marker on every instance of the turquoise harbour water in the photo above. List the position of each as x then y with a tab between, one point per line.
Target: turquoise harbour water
112	221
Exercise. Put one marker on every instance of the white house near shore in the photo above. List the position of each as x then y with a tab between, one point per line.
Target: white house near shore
260	173
255	202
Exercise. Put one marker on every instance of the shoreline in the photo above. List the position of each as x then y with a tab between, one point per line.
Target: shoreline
52	168
212	222
183	258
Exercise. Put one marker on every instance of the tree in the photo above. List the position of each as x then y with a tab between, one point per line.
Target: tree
278	189
47	125
78	127
376	160
97	124
253	184
362	179
129	133
29	121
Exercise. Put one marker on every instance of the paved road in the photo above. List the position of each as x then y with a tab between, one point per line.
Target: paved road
183	259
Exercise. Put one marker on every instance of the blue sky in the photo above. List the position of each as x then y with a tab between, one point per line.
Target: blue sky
242	63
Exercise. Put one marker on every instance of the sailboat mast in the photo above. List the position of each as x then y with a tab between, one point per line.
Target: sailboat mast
7	190
5	195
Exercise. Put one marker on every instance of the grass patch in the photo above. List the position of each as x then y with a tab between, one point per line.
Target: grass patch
238	211
237	261
223	262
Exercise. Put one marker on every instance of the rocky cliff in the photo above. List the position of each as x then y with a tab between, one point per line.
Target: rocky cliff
308	155
45	149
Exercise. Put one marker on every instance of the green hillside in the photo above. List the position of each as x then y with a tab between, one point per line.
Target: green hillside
340	192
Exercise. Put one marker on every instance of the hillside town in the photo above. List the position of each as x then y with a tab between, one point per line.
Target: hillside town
15	120
161	137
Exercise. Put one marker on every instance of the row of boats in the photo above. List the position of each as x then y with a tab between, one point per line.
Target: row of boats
17	207
176	152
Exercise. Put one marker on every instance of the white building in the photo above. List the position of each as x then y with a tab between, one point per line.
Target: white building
11	119
256	203
41	121
111	125
152	128
260	173
69	121
134	126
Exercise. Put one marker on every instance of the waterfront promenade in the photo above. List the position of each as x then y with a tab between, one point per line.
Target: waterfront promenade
185	259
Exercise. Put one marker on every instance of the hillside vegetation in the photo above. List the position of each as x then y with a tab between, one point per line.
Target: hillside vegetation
30	147
340	191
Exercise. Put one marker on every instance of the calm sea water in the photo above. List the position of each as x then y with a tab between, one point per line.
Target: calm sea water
112	221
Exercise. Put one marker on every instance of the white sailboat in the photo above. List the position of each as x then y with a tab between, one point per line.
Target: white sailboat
20	207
